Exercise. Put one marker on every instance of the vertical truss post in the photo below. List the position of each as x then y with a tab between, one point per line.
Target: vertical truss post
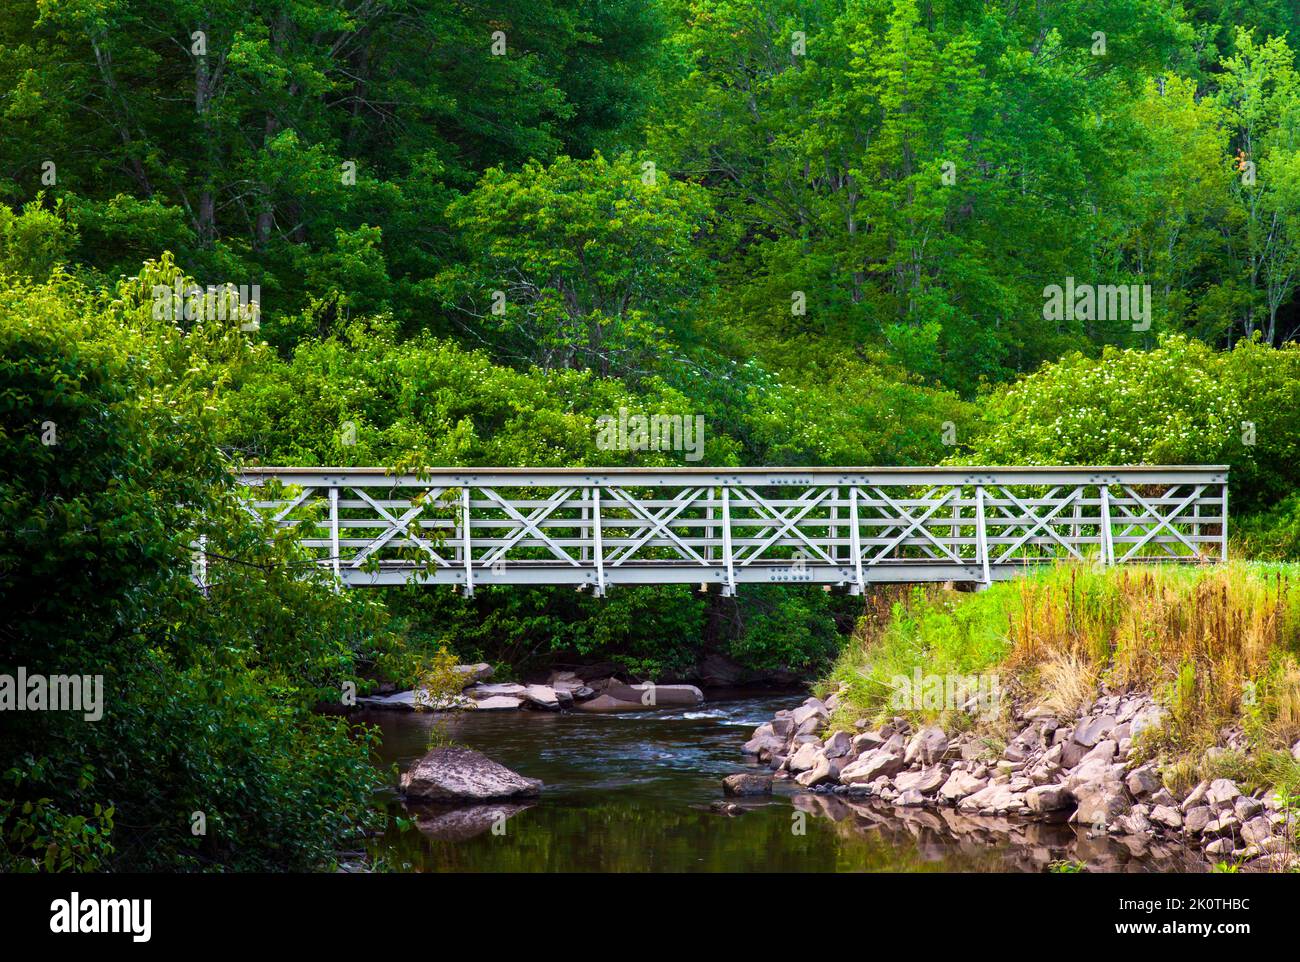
726	541
334	535
833	529
584	551
855	541
1076	523
596	535
1107	536
466	543
1223	543
710	532
982	534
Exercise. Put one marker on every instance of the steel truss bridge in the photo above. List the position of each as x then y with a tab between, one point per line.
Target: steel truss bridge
851	527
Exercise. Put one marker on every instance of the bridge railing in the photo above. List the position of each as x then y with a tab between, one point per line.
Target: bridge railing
843	526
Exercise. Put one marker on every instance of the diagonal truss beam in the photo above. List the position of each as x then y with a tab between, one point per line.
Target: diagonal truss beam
529	526
655	524
914	523
783	522
1162	521
395	526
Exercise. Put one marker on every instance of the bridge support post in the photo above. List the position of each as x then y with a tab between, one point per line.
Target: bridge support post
855	542
726	543
334	537
466	543
1107	536
599	549
586	522
833	528
1223	545
982	534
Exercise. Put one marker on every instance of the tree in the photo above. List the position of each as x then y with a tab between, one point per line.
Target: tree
582	263
919	171
265	144
109	473
1259	102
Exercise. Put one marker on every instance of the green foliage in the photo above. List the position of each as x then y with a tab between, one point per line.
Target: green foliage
366	397
36	836
594	264
824	226
110	472
34	242
900	169
1067	867
228	147
1271	535
1180	403
783	630
937	633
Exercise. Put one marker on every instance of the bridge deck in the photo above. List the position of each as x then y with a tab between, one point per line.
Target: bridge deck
844	526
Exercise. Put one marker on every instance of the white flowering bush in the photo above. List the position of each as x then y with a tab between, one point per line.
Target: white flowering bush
1181	403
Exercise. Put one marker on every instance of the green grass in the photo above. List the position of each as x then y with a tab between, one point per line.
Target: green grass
1218	645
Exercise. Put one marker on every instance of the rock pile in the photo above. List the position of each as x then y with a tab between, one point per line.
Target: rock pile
563	690
1084	766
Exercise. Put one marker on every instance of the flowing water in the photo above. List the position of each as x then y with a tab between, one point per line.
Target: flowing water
631	793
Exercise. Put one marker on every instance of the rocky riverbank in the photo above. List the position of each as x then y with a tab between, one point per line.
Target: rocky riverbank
562	691
1086	767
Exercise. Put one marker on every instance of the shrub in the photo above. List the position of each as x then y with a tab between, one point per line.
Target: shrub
1181	403
109	471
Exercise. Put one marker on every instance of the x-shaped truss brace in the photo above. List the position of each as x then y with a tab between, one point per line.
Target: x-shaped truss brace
529	526
1152	514
913	523
782	522
656	523
1033	522
397	526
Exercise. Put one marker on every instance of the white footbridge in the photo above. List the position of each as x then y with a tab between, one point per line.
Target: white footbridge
849	527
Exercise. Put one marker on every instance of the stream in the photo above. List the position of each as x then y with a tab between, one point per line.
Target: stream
631	793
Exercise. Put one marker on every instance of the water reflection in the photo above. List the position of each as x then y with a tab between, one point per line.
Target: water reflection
631	793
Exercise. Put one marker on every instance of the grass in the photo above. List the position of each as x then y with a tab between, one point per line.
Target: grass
1218	645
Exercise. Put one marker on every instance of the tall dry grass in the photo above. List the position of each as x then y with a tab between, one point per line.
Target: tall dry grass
1217	645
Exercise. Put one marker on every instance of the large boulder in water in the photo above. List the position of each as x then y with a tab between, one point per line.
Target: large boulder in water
609	703
745	783
464	775
650	695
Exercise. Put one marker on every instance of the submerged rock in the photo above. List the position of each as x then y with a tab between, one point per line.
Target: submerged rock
722	807
461	774
609	703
